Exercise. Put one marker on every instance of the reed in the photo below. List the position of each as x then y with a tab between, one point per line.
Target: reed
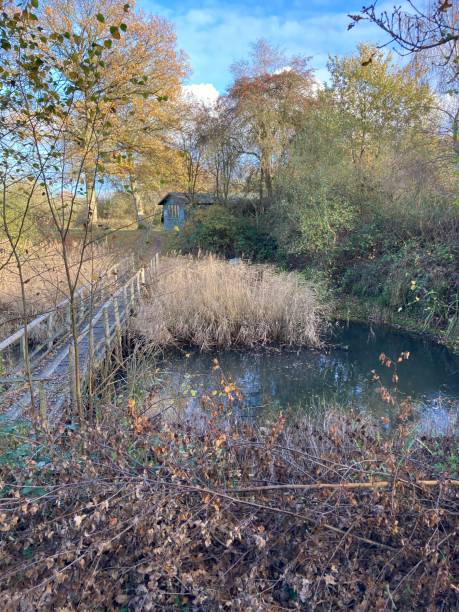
212	303
45	280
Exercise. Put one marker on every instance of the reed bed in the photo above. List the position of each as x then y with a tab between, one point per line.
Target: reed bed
45	280
212	303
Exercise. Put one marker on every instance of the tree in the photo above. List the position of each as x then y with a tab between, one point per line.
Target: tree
191	139
378	100
367	150
43	99
442	71
421	29
143	158
139	77
224	147
269	95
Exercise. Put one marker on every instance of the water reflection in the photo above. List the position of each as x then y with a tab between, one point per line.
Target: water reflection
340	375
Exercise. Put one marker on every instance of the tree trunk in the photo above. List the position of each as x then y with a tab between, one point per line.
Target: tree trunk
91	198
269	185
267	177
456	132
138	201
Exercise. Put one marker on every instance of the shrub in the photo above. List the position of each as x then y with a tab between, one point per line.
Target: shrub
253	243
212	303
418	278
135	515
215	229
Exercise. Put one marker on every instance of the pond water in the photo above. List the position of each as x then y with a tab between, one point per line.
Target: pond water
339	375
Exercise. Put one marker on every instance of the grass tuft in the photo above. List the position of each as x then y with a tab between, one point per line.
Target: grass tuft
213	303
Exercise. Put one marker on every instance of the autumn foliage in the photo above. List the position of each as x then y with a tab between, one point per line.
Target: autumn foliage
123	516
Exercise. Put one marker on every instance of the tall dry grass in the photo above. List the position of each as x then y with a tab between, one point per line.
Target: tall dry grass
45	279
213	303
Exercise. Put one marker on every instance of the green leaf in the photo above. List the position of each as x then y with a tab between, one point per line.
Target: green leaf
123	27
114	31
34	3
108	43
100	18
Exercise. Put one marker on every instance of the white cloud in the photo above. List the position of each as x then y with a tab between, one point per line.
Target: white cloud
216	33
205	93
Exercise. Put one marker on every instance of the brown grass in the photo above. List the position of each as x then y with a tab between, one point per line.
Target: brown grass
46	283
213	303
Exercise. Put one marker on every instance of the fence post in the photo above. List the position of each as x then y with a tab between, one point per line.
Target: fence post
116	275
156	263
22	349
91	361
81	305
125	301
132	294
42	402
106	330
104	289
116	310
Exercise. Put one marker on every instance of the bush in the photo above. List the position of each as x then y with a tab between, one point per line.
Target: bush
252	243
215	229
421	279
136	515
117	206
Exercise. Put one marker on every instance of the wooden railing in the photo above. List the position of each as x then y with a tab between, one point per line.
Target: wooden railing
56	322
102	322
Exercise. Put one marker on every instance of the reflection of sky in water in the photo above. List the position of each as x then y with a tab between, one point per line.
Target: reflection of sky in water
340	375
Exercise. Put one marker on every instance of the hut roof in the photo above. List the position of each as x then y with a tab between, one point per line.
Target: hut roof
177	197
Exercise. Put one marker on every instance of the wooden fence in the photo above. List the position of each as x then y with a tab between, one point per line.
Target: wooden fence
101	318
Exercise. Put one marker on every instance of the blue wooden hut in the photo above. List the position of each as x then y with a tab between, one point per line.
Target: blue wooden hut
176	204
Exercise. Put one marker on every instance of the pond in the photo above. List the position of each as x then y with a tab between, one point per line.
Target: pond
342	375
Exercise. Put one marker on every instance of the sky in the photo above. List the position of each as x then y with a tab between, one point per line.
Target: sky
216	33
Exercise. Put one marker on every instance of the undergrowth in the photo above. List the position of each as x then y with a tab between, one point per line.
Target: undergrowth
132	514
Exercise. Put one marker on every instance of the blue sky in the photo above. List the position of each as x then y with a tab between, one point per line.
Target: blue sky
215	33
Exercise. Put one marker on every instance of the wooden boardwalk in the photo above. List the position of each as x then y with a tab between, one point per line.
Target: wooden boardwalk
102	318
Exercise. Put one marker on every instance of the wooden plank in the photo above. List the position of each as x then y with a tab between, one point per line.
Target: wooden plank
56	371
13	338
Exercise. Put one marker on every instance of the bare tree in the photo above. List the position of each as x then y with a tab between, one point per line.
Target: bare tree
424	27
224	147
42	94
192	142
269	96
